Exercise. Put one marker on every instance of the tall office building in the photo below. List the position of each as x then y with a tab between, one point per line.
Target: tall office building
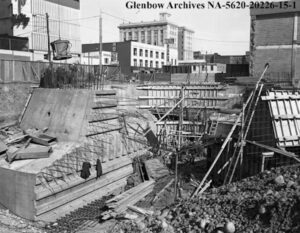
159	33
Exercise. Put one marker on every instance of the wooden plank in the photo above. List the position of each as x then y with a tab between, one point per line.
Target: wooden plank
74	193
105	106
41	192
186	97
133	196
161	191
103	132
169	107
130	191
140	210
33	153
61	211
135	199
42	139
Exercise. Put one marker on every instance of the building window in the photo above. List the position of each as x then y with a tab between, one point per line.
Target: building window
155	37
151	64
135	51
141	52
134	62
151	53
141	62
136	36
149	37
162	55
175	61
106	60
146	53
161	36
129	35
194	68
157	54
162	64
211	67
146	63
143	36
156	64
203	67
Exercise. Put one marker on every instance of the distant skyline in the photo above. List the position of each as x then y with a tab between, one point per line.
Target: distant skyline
222	31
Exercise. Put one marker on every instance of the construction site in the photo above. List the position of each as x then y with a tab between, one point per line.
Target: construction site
87	149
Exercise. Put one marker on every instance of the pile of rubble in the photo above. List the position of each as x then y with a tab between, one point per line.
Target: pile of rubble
268	202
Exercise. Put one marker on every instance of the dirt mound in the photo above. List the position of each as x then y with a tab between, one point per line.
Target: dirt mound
268	202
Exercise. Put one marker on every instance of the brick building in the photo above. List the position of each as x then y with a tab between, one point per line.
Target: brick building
275	38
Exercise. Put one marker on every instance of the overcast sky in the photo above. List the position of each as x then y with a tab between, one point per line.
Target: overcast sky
221	31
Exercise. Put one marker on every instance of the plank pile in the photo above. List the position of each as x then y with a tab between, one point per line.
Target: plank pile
120	203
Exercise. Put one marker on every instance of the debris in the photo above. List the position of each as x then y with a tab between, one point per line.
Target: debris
161	191
3	147
229	227
36	152
120	203
155	169
140	210
279	180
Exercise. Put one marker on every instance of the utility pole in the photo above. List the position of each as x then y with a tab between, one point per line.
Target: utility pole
49	51
206	74
179	140
100	52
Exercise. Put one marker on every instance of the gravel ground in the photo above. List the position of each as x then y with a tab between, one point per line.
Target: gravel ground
10	223
268	202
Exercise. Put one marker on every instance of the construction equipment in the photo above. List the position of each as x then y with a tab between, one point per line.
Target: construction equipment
61	49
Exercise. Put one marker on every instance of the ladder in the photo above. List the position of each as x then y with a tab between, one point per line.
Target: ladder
214	126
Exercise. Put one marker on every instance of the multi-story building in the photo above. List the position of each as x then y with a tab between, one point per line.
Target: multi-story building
132	56
160	33
185	43
275	39
28	19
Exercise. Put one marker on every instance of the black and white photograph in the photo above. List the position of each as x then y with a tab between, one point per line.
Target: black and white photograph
149	116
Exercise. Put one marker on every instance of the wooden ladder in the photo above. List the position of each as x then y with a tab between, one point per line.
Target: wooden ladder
214	126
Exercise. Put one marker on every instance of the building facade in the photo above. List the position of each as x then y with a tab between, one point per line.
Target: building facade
28	19
275	39
202	67
92	58
185	43
223	59
132	56
160	33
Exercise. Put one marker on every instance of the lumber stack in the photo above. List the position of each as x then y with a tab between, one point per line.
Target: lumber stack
120	203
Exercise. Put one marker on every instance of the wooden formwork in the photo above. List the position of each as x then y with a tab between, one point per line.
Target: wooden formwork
88	127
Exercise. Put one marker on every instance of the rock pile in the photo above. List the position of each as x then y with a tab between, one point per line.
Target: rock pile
268	202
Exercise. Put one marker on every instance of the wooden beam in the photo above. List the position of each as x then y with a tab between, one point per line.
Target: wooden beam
103	132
